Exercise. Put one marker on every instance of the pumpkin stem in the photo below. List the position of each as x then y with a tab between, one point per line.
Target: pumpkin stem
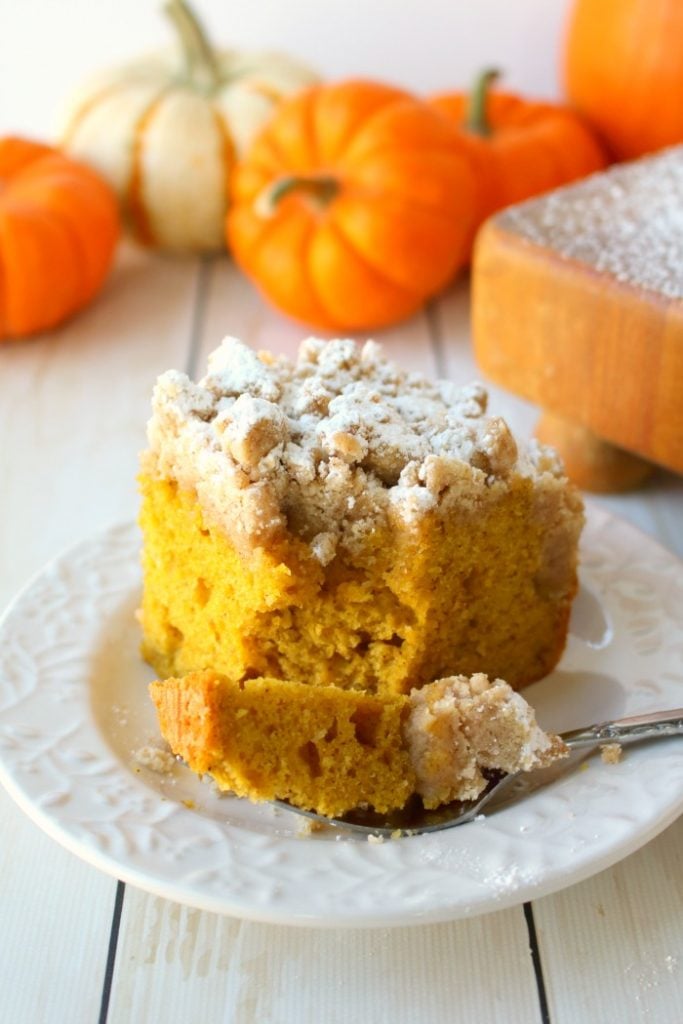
200	59
321	188
476	120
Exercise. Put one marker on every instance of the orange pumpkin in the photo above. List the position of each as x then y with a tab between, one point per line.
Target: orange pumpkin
520	147
624	71
58	228
354	206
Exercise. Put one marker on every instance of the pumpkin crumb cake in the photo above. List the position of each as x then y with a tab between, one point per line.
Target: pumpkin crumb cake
330	749
327	536
338	520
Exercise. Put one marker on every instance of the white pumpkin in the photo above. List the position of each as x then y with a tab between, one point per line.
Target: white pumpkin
166	130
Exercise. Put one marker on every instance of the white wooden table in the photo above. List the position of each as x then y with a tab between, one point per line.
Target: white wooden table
77	946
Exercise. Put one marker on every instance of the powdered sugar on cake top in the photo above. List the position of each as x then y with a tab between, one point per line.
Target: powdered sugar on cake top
330	445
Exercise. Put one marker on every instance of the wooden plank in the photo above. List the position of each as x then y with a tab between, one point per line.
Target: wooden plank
656	508
612	947
56	915
73	408
175	963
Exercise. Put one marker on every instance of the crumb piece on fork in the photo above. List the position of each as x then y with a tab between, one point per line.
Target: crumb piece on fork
611	753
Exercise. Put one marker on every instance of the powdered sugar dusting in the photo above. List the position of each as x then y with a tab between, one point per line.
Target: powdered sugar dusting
331	446
626	222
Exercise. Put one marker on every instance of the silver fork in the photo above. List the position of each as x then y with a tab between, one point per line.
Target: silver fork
413	819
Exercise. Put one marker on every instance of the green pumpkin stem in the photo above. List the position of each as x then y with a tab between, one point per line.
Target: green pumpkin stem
200	59
476	120
321	188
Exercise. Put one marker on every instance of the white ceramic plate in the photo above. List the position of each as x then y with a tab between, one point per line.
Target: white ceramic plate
74	710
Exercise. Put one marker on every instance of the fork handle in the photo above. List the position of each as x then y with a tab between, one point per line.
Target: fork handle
628	730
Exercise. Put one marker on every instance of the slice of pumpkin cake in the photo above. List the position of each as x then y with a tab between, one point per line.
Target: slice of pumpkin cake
338	520
331	750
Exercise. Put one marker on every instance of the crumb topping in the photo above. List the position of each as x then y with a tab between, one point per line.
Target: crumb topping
626	222
329	446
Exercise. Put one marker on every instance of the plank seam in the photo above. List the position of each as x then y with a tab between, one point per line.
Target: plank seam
436	338
535	951
198	313
111	952
663	534
196	325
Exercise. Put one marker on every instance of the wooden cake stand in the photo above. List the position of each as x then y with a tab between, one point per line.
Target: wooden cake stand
578	306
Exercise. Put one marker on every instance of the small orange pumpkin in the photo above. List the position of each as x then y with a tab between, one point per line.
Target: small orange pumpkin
58	229
354	206
624	71
521	147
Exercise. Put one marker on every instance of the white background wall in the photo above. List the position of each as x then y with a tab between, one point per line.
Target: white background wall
48	46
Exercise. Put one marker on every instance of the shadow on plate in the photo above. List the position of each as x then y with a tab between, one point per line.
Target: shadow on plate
570	700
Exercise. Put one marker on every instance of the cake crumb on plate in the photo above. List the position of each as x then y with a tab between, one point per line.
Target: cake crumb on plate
157	759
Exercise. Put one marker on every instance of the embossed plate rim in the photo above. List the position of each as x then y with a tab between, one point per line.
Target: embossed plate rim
256	868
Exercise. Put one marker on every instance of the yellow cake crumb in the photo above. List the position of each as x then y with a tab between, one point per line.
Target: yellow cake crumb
611	753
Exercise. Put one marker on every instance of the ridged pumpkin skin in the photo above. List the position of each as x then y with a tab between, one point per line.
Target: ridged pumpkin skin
381	216
624	72
531	147
59	225
165	131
